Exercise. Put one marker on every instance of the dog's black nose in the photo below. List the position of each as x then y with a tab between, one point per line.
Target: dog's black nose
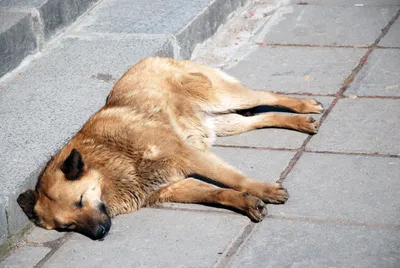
101	231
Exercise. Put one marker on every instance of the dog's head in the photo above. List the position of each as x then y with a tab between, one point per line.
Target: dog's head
68	196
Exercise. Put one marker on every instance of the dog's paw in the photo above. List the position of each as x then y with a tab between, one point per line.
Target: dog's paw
310	125
256	208
274	193
311	106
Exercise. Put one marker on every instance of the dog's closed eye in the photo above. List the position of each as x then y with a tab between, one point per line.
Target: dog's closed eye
69	226
79	204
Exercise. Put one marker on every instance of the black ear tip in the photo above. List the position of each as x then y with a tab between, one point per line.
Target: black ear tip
26	196
73	166
20	198
27	201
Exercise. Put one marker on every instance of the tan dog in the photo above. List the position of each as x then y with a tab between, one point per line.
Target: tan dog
149	140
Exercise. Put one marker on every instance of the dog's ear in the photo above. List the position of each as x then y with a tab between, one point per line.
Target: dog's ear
73	166
27	201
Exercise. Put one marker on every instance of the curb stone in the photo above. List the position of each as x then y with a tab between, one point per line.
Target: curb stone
30	23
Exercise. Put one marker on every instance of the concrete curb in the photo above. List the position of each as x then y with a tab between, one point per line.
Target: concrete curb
28	24
39	29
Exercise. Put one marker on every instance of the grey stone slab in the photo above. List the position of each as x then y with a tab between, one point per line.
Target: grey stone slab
17	39
54	14
41	235
345	188
348	2
392	38
8	198
25	257
3	224
272	137
260	165
142	16
154	238
379	76
360	126
205	24
280	243
328	25
297	69
191	22
47	103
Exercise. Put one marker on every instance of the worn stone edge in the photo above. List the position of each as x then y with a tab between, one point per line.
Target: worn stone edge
195	31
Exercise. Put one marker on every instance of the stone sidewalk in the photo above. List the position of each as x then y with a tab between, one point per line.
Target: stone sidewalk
344	209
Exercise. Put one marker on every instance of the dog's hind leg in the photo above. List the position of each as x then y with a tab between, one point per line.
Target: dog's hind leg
230	95
233	124
191	190
234	96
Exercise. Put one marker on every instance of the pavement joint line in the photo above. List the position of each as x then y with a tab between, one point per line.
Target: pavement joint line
54	245
352	96
371	97
235	245
339	222
379	47
261	44
339	95
294	160
306	150
38	27
175	47
226	211
305	3
353	153
254	148
118	36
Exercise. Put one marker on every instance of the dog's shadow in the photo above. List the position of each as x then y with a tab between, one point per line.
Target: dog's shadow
262	109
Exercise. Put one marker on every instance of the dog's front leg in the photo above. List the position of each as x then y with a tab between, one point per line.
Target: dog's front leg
191	190
208	165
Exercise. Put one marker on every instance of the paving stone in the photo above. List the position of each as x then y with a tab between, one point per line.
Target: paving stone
297	69
154	238
3	224
54	14
263	165
17	39
47	103
24	257
272	137
392	38
344	188
190	23
379	76
41	235
157	17
280	243
360	126
260	165
16	217
327	25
